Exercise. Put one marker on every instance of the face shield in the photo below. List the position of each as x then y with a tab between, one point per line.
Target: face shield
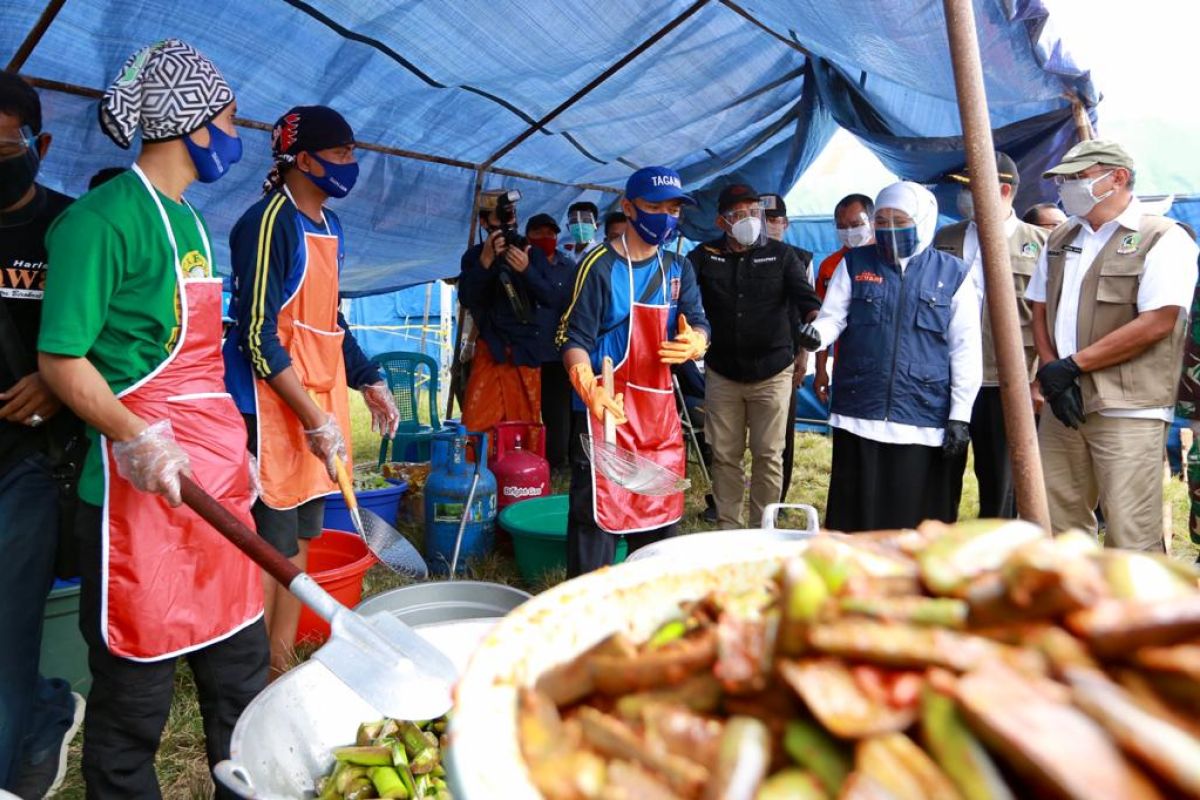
581	225
745	225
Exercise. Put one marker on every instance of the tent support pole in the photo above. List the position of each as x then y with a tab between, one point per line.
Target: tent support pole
35	35
646	44
1001	298
1083	124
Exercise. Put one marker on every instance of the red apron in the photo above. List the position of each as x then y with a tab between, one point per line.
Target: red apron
653	429
308	329
171	583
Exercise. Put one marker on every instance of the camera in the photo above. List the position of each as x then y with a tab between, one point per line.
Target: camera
506	212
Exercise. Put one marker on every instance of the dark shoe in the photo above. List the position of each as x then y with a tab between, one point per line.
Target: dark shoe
44	773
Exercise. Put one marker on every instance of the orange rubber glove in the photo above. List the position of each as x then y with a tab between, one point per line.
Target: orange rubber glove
596	397
688	345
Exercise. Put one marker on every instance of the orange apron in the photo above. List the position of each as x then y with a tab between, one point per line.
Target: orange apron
308	329
172	584
653	429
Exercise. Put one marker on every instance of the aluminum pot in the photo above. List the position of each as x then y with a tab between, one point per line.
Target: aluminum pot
282	741
443	601
484	760
702	547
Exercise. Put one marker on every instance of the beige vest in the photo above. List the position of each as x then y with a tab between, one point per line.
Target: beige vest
1024	247
1108	300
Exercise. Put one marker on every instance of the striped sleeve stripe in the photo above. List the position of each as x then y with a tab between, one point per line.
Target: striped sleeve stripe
262	264
560	337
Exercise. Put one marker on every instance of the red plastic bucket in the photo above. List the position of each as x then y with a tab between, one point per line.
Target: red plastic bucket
337	561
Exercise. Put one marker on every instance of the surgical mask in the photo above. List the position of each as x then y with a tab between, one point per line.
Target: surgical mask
776	229
966	204
654	229
17	174
547	244
582	232
746	231
1076	196
855	237
214	161
338	179
895	244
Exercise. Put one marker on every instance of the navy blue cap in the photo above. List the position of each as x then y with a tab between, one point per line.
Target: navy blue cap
656	184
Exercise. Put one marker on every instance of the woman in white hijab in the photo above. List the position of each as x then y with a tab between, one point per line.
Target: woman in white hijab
909	366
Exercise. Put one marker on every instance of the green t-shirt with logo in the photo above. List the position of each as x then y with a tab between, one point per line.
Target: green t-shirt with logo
112	295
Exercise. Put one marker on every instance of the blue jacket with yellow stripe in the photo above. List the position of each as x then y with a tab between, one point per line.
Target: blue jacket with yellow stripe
267	252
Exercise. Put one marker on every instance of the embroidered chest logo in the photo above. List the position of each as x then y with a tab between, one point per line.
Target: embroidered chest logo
868	277
194	265
1129	244
1030	249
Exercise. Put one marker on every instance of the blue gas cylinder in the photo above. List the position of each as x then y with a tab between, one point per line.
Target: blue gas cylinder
446	492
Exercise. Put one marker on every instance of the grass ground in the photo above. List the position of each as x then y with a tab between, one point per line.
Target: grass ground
182	768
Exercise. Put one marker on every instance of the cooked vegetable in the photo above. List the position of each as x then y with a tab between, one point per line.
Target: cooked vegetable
396	759
983	660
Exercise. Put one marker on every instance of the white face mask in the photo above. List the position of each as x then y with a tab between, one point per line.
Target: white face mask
855	237
1076	196
966	204
746	231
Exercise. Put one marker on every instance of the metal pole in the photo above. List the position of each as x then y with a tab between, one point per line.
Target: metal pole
35	35
1001	298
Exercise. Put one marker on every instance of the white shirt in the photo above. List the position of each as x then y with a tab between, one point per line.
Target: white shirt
966	361
579	251
971	253
1168	279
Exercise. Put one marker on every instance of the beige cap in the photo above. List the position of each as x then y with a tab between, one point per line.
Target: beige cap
1088	154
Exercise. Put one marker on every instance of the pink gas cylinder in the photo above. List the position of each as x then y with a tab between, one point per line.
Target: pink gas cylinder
521	471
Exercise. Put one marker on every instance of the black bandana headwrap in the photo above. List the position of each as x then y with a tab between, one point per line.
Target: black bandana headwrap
168	89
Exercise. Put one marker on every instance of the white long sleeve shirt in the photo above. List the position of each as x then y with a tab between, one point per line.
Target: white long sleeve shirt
965	337
1168	279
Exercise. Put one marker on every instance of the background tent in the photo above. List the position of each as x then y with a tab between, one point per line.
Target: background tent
561	100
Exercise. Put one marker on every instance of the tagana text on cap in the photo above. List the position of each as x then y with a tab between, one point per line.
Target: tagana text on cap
1089	154
656	185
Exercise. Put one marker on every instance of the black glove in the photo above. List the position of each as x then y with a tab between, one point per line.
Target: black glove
1057	376
955	438
1068	406
808	337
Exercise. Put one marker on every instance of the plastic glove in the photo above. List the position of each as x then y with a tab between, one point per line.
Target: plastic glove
688	345
596	397
955	438
327	444
1068	406
385	417
1057	376
808	337
255	483
153	461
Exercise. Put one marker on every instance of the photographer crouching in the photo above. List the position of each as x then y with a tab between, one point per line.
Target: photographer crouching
494	285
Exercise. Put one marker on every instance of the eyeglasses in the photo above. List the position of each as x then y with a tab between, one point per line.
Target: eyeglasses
19	146
1059	180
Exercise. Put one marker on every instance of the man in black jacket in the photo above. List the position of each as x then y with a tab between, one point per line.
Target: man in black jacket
748	284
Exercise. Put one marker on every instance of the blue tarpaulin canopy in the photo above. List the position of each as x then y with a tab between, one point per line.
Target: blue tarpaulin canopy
570	95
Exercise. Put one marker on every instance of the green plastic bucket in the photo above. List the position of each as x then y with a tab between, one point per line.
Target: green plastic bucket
538	527
64	653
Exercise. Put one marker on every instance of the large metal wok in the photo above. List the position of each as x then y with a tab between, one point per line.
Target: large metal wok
485	760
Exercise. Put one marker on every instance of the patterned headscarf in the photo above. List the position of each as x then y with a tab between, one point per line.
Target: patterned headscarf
168	89
300	129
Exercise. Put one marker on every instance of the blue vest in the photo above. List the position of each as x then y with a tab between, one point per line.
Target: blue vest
893	359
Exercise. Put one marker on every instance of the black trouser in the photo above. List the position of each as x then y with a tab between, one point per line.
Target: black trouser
789	447
993	469
879	486
589	547
556	412
130	700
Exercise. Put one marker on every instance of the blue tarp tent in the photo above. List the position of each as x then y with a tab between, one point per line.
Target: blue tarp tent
561	100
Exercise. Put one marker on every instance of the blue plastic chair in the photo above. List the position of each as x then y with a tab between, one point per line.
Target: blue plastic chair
413	381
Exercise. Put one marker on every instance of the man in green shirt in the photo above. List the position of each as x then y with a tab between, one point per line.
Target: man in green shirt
130	341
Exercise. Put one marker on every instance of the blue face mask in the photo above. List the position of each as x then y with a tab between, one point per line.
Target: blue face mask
214	161
893	244
338	179
654	229
582	232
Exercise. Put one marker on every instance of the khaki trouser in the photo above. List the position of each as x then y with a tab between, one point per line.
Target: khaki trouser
730	409
1113	460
